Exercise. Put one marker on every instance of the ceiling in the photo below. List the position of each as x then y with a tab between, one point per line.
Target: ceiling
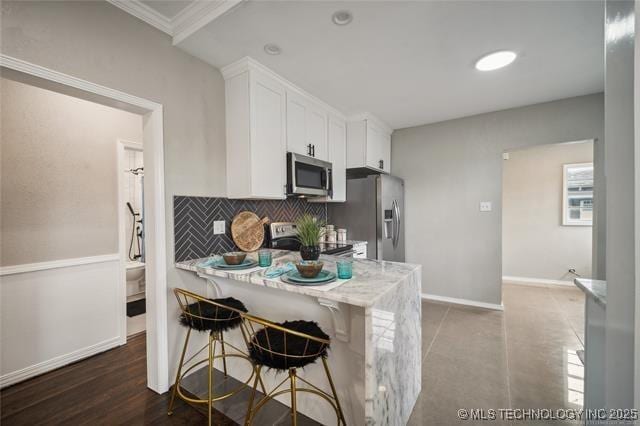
412	63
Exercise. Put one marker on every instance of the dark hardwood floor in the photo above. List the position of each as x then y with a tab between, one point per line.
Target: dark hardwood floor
106	389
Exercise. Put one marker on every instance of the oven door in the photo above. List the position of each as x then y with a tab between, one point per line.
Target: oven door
308	176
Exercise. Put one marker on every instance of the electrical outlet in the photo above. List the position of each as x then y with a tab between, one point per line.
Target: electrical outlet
218	227
485	206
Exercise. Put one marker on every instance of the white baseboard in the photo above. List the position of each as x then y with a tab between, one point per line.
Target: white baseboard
536	281
57	362
466	302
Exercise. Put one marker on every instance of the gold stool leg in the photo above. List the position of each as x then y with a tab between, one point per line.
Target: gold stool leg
333	390
212	351
224	358
248	418
177	382
294	410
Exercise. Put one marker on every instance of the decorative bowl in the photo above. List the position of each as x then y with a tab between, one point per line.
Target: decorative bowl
309	268
234	257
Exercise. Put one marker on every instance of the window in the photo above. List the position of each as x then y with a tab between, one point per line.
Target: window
577	194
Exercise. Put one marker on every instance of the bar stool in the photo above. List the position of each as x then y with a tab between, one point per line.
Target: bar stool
214	316
287	346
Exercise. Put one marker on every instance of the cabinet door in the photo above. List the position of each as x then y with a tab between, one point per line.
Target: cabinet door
386	152
374	146
317	132
338	157
297	139
268	148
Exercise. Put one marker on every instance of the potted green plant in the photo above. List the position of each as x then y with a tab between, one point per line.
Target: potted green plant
309	231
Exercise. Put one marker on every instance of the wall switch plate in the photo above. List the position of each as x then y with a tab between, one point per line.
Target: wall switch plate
485	206
218	227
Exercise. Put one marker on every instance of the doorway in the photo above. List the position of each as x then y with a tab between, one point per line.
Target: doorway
155	229
132	235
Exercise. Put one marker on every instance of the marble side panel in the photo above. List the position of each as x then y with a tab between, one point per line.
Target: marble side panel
393	354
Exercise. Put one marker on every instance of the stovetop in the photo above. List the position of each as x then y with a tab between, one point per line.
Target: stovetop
283	236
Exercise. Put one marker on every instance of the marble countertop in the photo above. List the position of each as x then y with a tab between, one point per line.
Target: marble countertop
595	289
371	280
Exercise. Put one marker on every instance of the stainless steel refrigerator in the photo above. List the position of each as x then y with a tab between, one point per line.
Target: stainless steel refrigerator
373	212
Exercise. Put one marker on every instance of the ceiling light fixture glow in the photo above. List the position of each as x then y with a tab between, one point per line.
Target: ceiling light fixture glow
495	60
272	49
342	17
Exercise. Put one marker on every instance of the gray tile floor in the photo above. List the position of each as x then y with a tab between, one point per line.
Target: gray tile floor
524	357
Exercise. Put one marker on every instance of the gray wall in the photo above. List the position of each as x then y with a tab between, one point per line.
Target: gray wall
96	41
621	218
535	243
449	167
58	182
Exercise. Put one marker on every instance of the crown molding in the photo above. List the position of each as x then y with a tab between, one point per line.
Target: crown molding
248	63
145	13
368	116
189	20
197	15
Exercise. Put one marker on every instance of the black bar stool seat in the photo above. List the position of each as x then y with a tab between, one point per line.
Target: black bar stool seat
272	348
203	316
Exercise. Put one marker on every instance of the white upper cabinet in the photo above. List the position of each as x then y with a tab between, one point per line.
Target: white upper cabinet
337	149
256	145
306	127
369	145
338	157
266	116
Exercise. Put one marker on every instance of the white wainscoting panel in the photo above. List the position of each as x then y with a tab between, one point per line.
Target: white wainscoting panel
50	317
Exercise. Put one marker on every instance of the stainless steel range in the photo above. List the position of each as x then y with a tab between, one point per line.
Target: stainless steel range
283	236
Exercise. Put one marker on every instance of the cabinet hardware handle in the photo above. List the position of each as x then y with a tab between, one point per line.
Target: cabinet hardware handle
309	149
382	164
313	150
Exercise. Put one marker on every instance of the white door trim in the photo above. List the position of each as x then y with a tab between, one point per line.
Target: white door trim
157	346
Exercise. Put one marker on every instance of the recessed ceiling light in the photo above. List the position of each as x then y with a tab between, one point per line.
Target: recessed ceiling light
342	17
272	49
495	60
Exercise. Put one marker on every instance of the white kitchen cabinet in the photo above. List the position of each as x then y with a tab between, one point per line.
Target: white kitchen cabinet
337	150
369	145
266	116
306	127
256	145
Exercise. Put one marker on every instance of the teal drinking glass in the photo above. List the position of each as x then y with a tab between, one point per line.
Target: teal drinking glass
264	258
345	269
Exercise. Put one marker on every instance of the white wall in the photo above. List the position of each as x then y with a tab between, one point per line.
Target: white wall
450	167
55	316
100	43
535	244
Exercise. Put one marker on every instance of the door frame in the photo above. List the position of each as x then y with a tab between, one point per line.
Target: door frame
154	204
122	146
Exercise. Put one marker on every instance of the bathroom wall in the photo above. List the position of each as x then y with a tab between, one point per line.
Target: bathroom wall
194	216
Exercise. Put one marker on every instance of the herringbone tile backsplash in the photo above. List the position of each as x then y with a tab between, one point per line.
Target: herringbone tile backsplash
193	221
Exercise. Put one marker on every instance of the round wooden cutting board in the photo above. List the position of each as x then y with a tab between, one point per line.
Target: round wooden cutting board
247	230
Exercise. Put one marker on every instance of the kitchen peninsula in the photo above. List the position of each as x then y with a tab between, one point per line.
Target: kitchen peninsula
374	320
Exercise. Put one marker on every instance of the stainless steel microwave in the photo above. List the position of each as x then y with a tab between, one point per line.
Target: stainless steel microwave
307	176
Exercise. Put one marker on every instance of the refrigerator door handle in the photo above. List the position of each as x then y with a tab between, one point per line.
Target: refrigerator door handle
396	227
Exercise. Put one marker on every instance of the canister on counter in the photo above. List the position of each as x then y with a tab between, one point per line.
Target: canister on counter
342	234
